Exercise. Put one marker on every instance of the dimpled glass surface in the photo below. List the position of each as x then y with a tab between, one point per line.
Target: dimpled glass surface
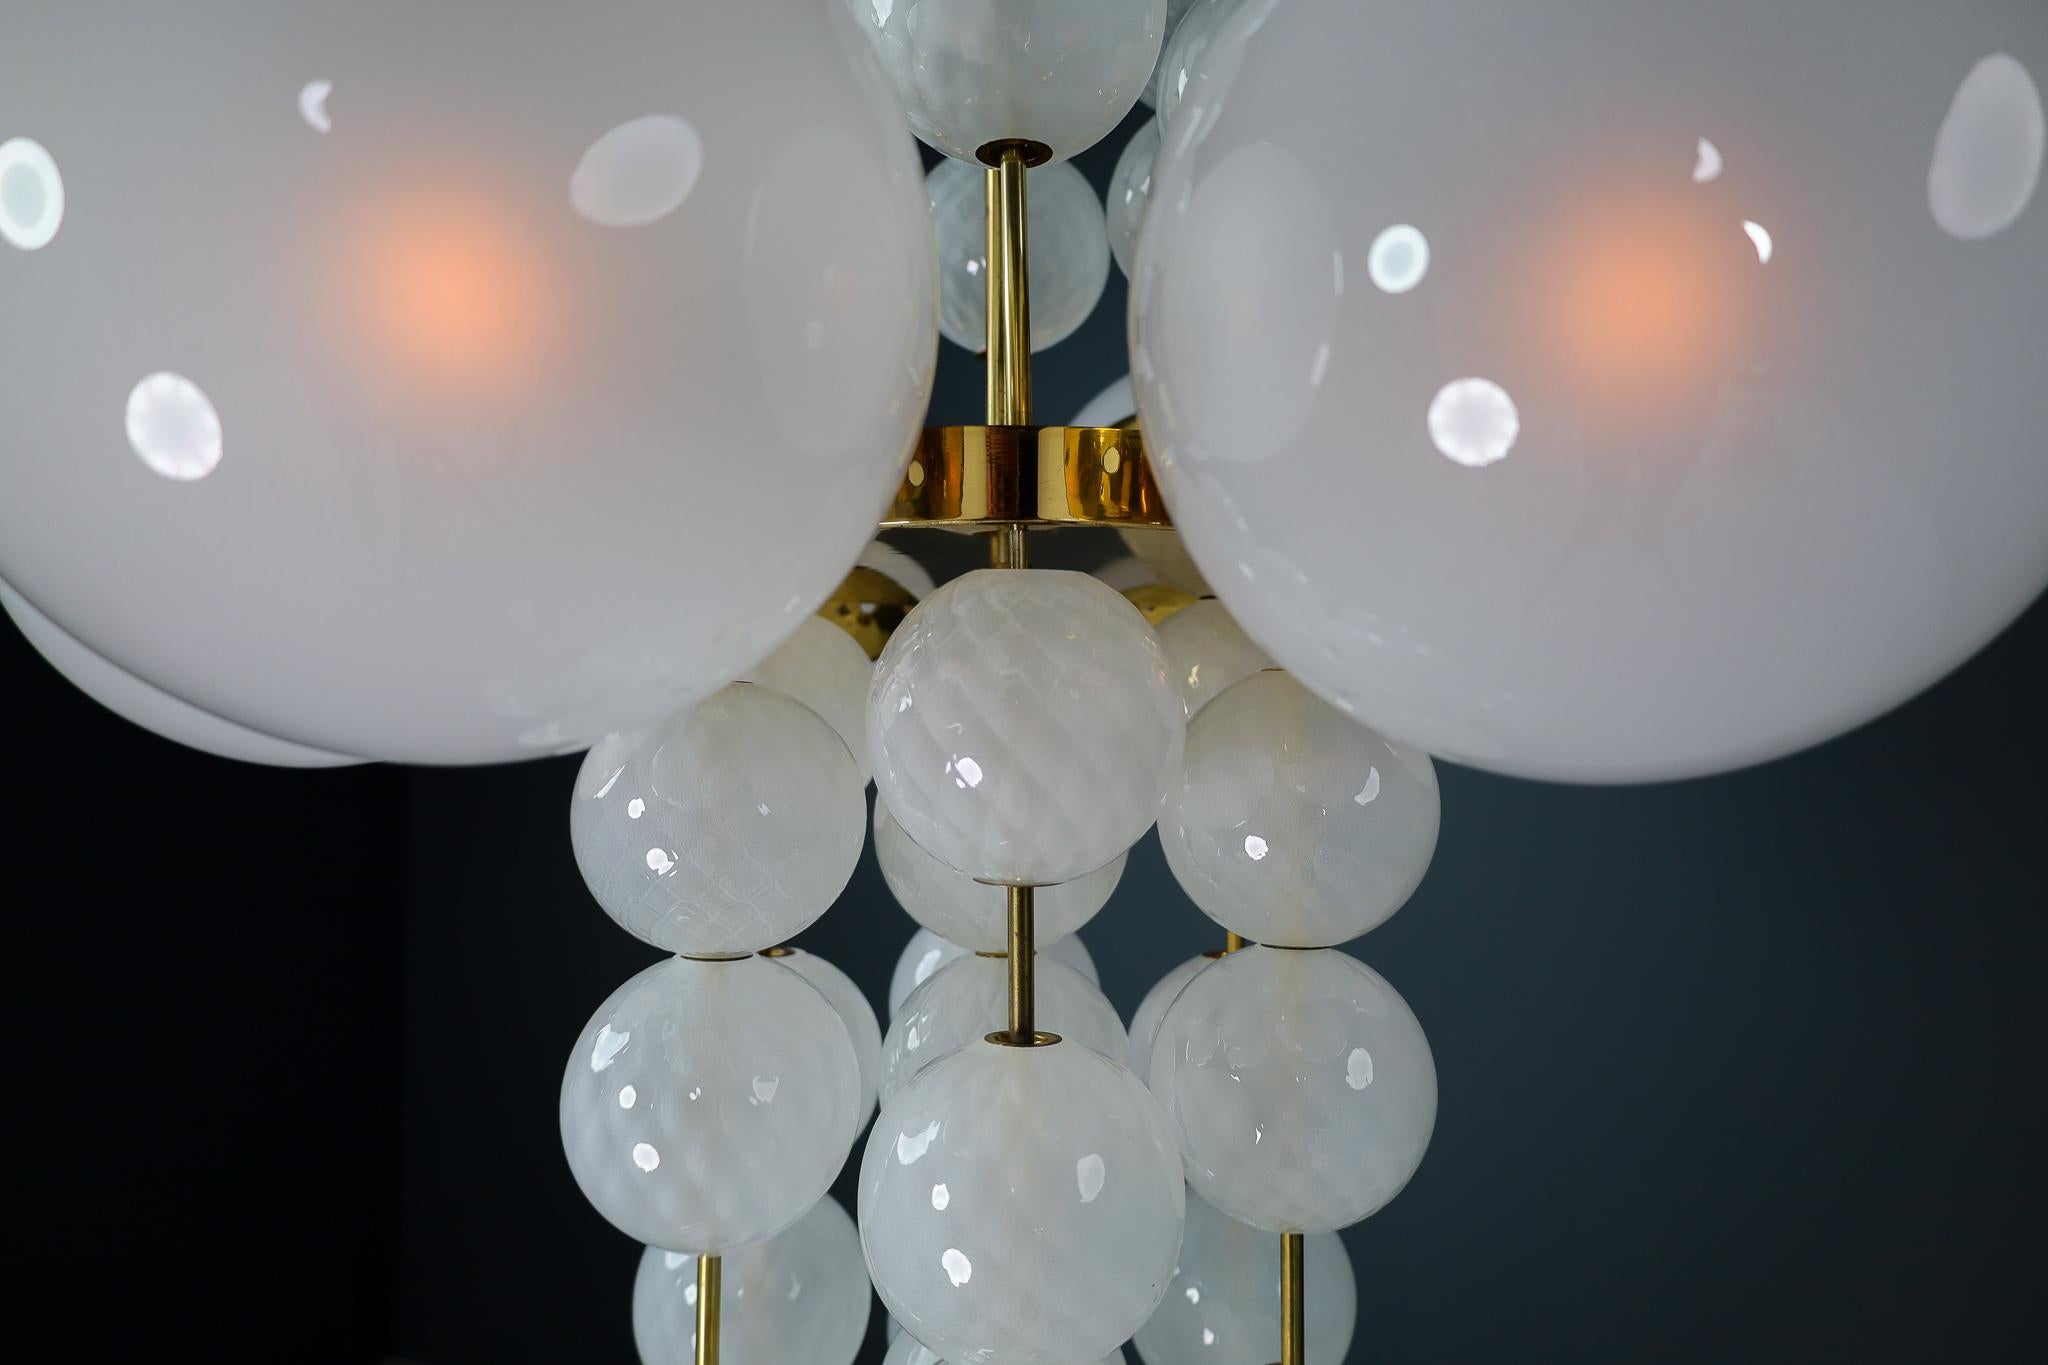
1069	252
1643	388
1209	651
863	1030
969	998
822	667
517	322
1301	1086
799	1298
1021	1205
1152	1009
707	1105
1292	823
972	914
1129	188
905	1349
727	828
927	952
1223	1307
1023	725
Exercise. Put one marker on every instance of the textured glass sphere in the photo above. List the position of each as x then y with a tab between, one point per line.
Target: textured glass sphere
1300	1083
1176	10
1224	1303
969	998
1069	252
1022	725
976	916
1152	1009
905	1349
1130	187
799	1298
1292	823
727	828
1180	58
707	1105
1021	1204
1209	651
1667	400
927	952
863	1030
825	669
436	368
972	72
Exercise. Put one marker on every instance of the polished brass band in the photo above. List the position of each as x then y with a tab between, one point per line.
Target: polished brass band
1040	476
708	1275
1157	602
868	605
1009	289
1293	1322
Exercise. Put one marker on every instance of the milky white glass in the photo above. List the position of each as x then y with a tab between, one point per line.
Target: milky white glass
1754	305
1069	251
972	72
1209	651
1301	1086
908	1350
728	828
1224	1302
972	914
898	567
1021	1204
486	422
822	667
1114	406
863	1030
1152	1009
1180	59
707	1105
927	952
155	710
1293	824
1130	185
1022	725
1175	11
1124	573
799	1298
969	998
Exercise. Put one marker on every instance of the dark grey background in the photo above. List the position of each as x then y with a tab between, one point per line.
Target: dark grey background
1738	1069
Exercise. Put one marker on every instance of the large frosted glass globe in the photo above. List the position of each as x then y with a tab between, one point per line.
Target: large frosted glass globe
1069	252
451	382
1021	1204
927	952
1209	651
1642	388
972	914
863	1030
969	998
826	669
1130	189
1224	1302
1152	1012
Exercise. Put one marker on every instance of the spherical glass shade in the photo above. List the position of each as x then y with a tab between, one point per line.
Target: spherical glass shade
863	1030
1176	10
969	998
825	669
1292	823
1112	407
1152	1009
972	72
1180	57
1665	399
1300	1083
727	828
1021	1204
1069	252
927	952
976	916
1022	725
905	1349
707	1105
1209	651
799	1298
1130	187
441	371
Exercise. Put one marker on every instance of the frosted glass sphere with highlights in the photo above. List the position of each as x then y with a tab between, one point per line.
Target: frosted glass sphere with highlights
927	952
1292	823
800	1298
969	998
1224	1302
1023	726
707	1105
1152	1009
905	1349
825	669
1180	60
1021	1204
437	406
1209	652
1300	1084
863	1030
972	914
1176	10
1130	187
1640	414
728	828
1069	252
1060	72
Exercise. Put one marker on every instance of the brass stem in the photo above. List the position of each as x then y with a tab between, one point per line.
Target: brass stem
1008	548
1023	993
1009	292
707	1310
1293	1350
1232	941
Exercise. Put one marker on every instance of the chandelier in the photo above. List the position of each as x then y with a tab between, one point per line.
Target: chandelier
1588	390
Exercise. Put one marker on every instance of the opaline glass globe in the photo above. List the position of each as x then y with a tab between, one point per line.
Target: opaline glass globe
1292	823
822	667
962	910
1112	407
905	1349
927	952
1130	187
451	399
1023	725
1300	1083
800	1298
1653	406
1209	651
1021	1204
1176	10
1069	252
1180	59
1152	1009
969	998
727	828
707	1105
863	1030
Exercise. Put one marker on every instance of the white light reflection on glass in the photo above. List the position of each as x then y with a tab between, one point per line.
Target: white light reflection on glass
1708	166
173	427
958	1269
1987	156
1474	423
607	1047
1358	1069
1089	1174
912	1147
1760	235
1254	847
1399	259
645	1157
313	106
638	173
31	194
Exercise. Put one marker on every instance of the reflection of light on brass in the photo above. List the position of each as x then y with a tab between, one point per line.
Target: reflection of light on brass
452	294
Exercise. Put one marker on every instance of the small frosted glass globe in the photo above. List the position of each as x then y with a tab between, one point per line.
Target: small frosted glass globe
905	1349
707	1105
972	72
1023	725
1180	59
727	828
863	1030
1650	413
1209	651
1176	10
1021	1204
1224	1302
1069	252
1152	1009
1292	823
976	916
822	667
800	1298
969	998
927	952
1130	186
1301	1086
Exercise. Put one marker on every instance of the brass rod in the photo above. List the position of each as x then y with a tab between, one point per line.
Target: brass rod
1008	548
1023	1001
1293	1350
1009	293
1232	941
707	1310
